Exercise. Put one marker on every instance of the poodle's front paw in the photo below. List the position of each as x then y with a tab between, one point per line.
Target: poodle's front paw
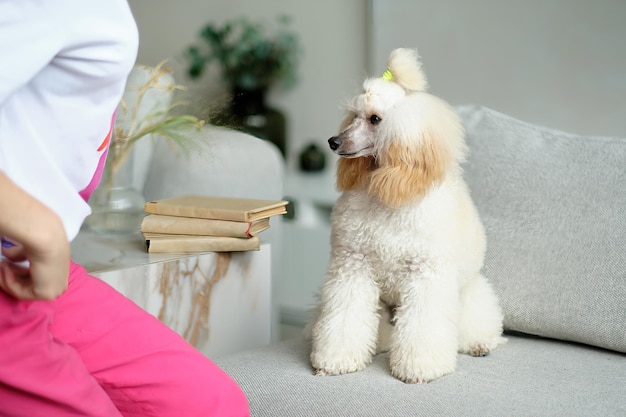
338	366
320	372
420	368
327	363
419	375
326	372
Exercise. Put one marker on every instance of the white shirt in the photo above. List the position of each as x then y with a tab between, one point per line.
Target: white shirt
63	68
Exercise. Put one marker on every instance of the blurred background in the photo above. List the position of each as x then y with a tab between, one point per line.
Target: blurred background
561	63
557	63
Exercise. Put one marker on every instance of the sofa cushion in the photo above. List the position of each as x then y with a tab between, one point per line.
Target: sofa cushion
554	208
525	377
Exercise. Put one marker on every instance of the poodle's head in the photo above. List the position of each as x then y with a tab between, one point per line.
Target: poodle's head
397	141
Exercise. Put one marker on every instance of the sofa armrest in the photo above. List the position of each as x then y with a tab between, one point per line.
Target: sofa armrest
224	163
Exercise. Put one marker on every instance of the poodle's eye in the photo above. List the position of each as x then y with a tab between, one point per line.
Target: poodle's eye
374	119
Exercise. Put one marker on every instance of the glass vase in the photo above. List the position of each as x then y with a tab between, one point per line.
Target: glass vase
117	207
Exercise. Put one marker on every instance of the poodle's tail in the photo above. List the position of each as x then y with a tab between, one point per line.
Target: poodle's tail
405	69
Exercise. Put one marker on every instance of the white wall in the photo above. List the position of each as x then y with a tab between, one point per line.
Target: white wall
333	62
559	63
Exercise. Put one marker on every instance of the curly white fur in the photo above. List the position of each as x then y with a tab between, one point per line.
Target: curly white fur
407	243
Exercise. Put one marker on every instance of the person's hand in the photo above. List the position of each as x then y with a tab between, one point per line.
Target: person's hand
35	258
39	272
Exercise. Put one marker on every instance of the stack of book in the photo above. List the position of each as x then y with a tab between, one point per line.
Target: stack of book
195	223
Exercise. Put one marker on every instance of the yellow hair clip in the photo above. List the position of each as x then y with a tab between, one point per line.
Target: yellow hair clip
387	75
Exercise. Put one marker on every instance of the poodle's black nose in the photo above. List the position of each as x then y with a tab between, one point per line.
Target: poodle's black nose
334	143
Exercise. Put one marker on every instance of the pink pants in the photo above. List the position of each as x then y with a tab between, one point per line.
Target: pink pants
93	352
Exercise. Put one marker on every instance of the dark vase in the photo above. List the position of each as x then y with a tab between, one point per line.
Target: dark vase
312	159
251	114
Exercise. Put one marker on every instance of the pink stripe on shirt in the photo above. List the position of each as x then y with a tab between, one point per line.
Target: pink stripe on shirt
97	175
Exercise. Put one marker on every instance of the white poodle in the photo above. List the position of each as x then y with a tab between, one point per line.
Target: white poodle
407	243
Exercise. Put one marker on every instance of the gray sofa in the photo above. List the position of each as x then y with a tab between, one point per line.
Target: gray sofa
554	207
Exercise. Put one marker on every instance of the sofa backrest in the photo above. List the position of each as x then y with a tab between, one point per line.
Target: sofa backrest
554	208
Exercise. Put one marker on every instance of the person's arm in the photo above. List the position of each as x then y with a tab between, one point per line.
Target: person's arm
38	27
39	238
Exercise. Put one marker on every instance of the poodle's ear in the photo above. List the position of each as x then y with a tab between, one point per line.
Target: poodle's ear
353	173
407	170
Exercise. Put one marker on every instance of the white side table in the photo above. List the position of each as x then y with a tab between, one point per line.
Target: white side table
220	302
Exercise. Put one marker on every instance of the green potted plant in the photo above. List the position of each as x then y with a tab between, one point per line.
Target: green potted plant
253	58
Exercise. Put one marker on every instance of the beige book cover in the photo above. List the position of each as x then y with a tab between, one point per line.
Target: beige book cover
157	223
219	208
159	243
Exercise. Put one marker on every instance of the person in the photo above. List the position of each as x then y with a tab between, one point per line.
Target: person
70	344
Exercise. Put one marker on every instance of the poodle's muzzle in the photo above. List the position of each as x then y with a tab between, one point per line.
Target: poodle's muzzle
356	140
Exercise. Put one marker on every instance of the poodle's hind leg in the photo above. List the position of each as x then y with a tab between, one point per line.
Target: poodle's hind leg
480	318
424	338
345	331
